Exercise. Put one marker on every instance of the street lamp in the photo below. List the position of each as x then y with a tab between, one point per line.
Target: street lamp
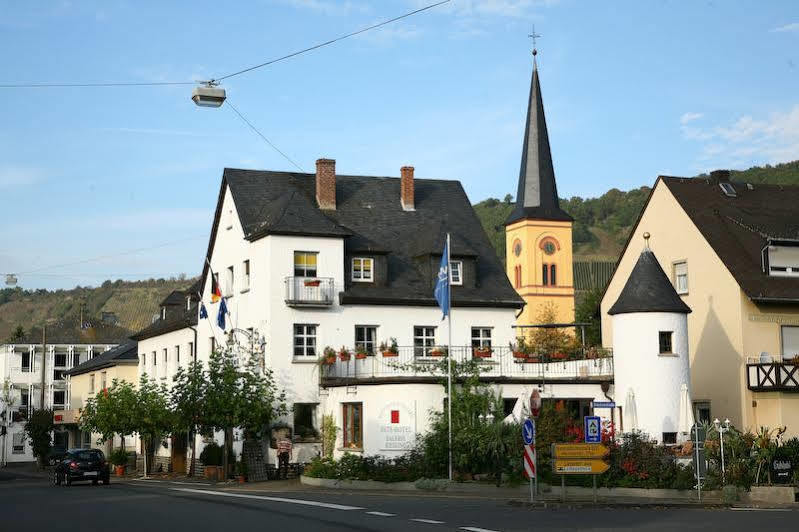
208	95
721	430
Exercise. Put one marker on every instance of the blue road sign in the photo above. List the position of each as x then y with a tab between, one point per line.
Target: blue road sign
593	429
528	431
604	404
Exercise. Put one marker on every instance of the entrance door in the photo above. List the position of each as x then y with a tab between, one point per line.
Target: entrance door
179	443
61	440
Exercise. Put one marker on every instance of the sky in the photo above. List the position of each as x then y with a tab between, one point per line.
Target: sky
108	183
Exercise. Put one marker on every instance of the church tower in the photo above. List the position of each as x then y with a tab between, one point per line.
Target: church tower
538	234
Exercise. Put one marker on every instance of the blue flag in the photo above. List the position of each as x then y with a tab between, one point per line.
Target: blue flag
203	312
220	317
441	292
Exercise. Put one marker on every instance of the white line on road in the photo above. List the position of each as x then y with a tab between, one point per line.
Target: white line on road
428	521
273	499
477	529
381	514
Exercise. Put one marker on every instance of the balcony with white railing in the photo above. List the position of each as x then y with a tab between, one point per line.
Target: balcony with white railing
309	291
498	364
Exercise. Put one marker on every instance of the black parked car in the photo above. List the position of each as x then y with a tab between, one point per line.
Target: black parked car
82	464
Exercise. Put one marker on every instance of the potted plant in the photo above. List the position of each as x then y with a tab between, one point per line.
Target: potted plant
521	349
391	349
360	352
241	471
481	352
119	459
343	354
312	282
533	357
439	351
211	457
328	357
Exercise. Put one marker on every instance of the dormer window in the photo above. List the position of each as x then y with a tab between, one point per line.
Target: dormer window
362	270
456	272
783	260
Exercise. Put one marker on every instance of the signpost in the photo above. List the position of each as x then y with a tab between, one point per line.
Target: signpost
700	465
578	459
593	429
528	436
535	403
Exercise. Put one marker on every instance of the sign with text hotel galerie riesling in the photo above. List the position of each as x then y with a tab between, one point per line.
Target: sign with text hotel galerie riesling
397	427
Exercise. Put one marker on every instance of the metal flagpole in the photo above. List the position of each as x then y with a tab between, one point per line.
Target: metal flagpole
449	355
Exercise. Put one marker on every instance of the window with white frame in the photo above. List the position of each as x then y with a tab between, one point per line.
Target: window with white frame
165	353
229	281
681	277
304	340
481	337
362	270
424	339
456	272
86	439
143	361
212	344
783	261
155	359
365	337
245	280
26	361
177	354
790	340
24	401
18	443
59	399
191	351
91	383
103	381
305	263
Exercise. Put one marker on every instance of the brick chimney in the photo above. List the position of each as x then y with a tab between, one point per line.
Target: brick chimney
406	188
326	183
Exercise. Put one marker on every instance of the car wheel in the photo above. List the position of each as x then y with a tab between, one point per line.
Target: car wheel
106	480
95	482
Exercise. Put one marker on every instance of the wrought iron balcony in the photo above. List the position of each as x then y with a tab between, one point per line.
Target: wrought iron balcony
772	376
498	364
309	291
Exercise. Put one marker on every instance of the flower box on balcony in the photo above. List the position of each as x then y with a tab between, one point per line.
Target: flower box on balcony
312	282
360	356
390	354
344	355
328	361
519	354
482	352
559	356
532	359
438	352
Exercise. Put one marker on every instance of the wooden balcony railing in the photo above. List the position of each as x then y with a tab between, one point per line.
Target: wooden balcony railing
772	376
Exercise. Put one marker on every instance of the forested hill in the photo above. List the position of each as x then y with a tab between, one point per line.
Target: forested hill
601	225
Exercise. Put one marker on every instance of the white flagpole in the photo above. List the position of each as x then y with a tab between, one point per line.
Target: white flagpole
449	354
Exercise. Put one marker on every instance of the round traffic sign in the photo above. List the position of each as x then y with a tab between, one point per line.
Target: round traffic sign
535	403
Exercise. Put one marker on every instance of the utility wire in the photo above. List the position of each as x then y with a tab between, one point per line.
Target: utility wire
331	41
262	135
109	84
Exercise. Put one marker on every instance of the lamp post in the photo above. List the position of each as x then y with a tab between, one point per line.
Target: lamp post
721	430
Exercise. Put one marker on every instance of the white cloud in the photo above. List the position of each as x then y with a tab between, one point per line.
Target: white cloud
11	176
690	117
794	26
749	140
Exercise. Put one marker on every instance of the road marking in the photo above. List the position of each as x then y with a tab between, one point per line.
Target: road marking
428	521
273	499
477	529
381	514
760	509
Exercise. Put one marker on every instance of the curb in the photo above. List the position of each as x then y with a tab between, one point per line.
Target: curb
576	505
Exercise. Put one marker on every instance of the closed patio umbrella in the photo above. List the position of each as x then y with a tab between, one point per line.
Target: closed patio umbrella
630	412
686	415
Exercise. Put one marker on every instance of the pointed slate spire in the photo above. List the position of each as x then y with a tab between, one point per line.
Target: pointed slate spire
648	290
537	195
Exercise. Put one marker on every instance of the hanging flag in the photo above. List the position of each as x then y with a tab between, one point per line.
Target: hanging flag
216	293
441	292
203	312
220	317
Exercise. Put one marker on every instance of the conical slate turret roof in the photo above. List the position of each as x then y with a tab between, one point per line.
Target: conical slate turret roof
537	195
648	290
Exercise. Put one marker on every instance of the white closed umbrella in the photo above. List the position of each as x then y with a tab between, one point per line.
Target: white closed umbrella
630	412
685	418
519	411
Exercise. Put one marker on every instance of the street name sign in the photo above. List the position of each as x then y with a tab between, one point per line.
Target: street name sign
590	451
570	466
604	404
593	429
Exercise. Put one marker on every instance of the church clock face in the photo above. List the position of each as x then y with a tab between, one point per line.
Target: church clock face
549	248
517	248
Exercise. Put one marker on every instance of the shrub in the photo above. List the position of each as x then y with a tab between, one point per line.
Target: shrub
212	455
39	428
118	457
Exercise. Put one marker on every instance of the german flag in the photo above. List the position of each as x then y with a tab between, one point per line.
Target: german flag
216	293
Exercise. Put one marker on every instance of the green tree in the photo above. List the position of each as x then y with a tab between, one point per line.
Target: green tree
39	428
187	399
587	311
223	400
17	335
109	412
152	417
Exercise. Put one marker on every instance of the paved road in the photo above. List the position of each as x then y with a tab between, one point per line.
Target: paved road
32	505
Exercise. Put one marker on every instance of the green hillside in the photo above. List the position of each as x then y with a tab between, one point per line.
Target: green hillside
601	225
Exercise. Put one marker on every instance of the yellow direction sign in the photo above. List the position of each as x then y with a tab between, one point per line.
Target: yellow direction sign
579	450
566	466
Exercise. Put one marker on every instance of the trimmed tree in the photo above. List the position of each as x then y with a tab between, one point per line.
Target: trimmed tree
109	412
187	399
39	427
151	415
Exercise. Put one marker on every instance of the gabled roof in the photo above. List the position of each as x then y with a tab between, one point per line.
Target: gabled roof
173	322
370	218
648	289
69	332
537	195
125	353
738	228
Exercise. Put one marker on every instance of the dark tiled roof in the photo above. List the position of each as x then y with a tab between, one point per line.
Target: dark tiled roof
537	195
648	290
173	322
369	215
94	331
738	228
125	353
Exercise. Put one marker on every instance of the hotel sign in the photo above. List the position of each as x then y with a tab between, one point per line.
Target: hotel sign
397	427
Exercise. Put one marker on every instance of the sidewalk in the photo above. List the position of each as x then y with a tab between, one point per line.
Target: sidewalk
23	470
